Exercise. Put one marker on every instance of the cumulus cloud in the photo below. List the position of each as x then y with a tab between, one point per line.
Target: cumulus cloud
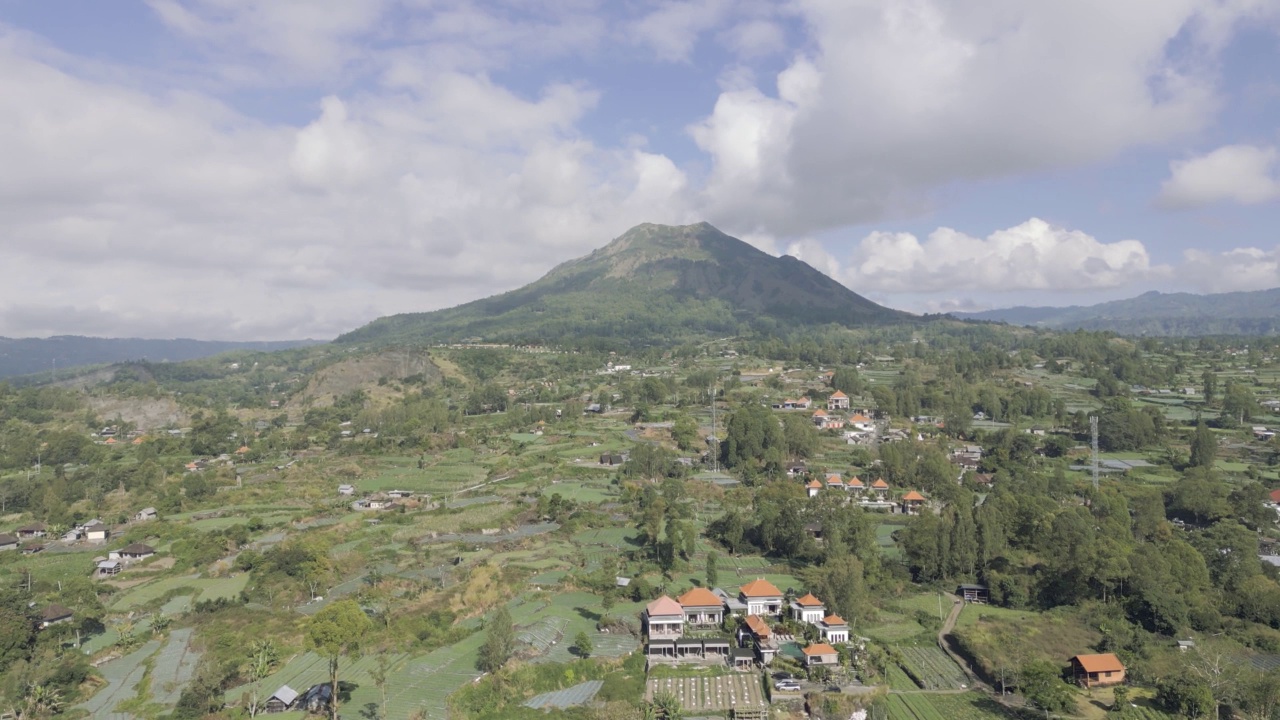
1243	174
1231	270
1032	256
899	98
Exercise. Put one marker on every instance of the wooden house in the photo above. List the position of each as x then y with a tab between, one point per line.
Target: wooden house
34	530
973	593
1097	670
55	614
281	700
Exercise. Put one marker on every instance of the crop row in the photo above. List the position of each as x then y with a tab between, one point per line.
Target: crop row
931	668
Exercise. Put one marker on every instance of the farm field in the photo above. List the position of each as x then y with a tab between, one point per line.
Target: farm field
933	668
122	676
711	694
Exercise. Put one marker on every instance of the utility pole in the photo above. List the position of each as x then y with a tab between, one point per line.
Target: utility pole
1093	429
715	455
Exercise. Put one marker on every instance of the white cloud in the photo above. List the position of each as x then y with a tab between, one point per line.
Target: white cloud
672	30
1032	256
1243	174
899	98
1230	270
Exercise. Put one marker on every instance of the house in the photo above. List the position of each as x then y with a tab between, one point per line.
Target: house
1262	433
835	481
281	700
132	551
820	654
663	618
146	514
808	609
973	593
761	597
834	629
109	567
855	485
611	459
861	422
756	632
98	534
1185	645
912	502
732	604
880	488
820	418
34	530
813	487
73	535
8	542
53	615
32	549
316	699
346	489
400	494
797	468
1275	496
838	401
1097	670
701	607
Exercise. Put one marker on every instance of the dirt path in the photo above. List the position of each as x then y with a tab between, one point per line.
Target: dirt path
956	606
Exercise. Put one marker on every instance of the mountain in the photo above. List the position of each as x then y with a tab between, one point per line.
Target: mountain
1156	314
26	356
655	282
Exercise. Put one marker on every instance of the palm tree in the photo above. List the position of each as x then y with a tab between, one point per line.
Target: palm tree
41	701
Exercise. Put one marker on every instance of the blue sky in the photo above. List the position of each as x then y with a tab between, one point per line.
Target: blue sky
248	169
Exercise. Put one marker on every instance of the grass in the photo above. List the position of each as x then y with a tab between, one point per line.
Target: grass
895	628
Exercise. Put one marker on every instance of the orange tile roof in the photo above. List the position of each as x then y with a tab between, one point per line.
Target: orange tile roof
820	649
855	482
820	413
880	483
1105	662
111	441
838	394
137	440
813	484
243	449
758	626
664	606
760	588
834	620
834	479
809	601
699	597
859	417
913	496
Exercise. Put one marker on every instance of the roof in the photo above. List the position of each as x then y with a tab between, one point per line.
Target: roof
820	649
758	626
138	549
834	478
859	418
913	496
109	564
834	620
55	612
760	588
1105	662
880	483
664	606
1275	496
33	527
699	597
147	511
8	540
855	482
813	484
820	413
285	695
838	394
809	601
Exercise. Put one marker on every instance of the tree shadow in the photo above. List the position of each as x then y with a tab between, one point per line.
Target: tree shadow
588	614
370	711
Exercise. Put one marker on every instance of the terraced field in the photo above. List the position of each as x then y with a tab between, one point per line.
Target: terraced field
122	676
173	667
932	668
712	694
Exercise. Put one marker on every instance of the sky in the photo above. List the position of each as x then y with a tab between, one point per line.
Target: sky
279	169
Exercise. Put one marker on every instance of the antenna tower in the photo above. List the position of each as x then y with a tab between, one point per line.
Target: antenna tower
1093	429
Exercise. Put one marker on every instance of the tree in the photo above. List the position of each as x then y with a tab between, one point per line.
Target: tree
713	575
668	706
582	643
685	432
847	381
17	633
499	641
800	435
336	631
1210	386
1041	683
379	676
263	656
1185	696
1204	447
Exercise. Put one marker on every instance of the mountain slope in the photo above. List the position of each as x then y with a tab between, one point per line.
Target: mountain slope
24	356
655	282
1157	314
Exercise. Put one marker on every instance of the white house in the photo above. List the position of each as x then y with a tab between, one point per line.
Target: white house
808	609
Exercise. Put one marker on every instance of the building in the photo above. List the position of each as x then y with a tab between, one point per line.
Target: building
973	593
820	654
346	490
281	700
808	609
755	632
132	551
880	488
837	401
813	487
96	531
315	699
146	514
109	567
34	530
761	597
701	607
1097	670
912	502
855	485
663	618
8	542
55	614
835	481
834	629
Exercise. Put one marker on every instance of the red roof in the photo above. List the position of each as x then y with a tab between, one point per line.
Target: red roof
855	482
1275	496
819	649
814	484
913	496
664	606
834	479
859	418
1106	662
880	484
834	620
758	626
760	588
820	413
838	394
809	601
699	597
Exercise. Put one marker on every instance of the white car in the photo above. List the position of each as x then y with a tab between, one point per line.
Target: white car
787	686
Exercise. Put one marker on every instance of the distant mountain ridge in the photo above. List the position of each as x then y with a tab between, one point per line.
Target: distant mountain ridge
654	282
27	356
1156	314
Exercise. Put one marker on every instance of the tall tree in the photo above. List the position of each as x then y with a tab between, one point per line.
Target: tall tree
713	574
499	641
336	631
1204	447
